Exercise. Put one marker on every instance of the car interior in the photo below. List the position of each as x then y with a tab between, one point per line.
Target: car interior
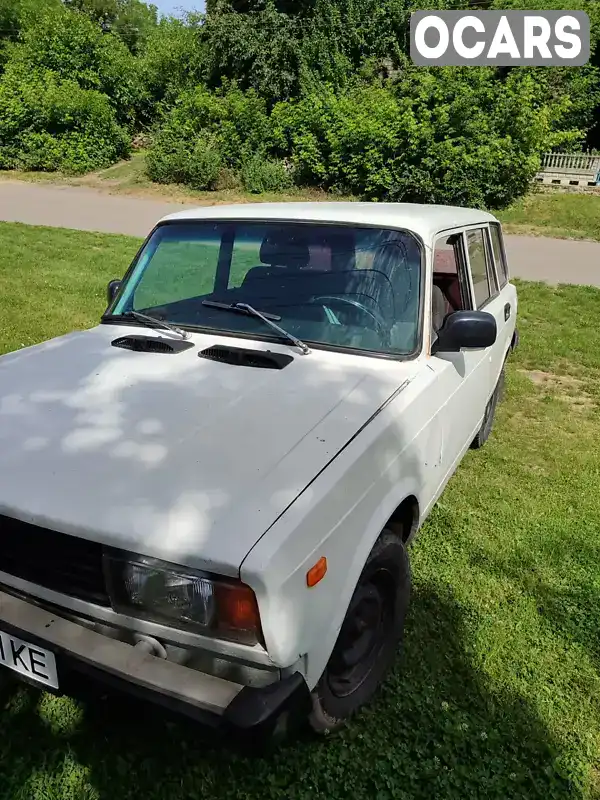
327	286
360	306
447	293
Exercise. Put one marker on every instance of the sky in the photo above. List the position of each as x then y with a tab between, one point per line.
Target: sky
173	6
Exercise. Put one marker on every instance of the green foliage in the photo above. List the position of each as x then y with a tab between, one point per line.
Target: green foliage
51	124
169	63
234	123
444	136
258	51
261	175
69	44
197	163
281	48
14	16
326	85
131	20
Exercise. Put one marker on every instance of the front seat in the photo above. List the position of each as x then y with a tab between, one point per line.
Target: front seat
284	256
439	310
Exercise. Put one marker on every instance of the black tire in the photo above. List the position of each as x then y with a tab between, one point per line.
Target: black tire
7	683
370	637
483	434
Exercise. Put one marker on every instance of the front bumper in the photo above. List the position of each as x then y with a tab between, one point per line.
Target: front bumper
213	701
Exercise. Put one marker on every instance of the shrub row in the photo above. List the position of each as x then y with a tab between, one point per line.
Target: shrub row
445	136
211	140
271	94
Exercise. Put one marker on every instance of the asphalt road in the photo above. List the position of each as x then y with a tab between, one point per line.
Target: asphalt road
531	258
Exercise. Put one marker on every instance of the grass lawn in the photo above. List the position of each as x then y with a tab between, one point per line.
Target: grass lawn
563	215
497	694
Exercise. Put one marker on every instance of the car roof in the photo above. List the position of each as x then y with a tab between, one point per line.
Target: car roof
424	220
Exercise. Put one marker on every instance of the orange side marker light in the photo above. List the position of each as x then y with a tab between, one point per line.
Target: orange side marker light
317	572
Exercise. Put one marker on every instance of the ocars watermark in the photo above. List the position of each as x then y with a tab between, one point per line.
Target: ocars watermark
500	38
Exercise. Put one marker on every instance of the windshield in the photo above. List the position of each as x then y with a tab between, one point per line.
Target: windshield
332	285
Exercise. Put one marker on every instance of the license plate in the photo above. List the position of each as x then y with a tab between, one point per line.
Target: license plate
28	660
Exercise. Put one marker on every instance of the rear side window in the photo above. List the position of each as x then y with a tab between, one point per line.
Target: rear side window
482	270
499	256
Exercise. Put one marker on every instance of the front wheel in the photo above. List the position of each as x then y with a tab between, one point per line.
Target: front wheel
369	639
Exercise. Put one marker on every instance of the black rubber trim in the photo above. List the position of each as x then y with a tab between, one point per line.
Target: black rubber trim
252	715
515	340
257	710
244	357
151	344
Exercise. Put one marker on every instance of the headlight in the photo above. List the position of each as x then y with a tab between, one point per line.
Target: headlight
183	598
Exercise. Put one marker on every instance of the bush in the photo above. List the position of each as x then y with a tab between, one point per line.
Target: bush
261	51
168	64
438	136
48	124
235	124
265	175
71	46
197	163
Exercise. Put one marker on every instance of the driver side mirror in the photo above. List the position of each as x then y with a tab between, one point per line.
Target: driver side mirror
112	289
466	330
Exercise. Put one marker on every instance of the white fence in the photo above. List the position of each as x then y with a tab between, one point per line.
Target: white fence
574	162
569	169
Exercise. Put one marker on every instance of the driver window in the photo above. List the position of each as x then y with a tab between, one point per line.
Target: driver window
450	288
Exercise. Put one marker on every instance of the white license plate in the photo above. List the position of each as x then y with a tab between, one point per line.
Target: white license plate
28	660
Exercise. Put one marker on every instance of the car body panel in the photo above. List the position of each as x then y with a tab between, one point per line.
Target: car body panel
122	447
252	473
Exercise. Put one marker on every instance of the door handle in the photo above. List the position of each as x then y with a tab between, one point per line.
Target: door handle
507	310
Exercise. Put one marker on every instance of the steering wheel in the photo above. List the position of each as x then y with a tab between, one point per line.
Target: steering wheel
379	326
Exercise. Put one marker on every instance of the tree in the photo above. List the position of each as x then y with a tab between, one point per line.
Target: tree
71	46
131	20
14	16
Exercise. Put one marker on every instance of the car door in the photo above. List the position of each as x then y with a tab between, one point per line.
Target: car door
491	291
461	380
504	304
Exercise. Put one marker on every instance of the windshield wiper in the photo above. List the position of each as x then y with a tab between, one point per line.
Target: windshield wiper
154	322
239	307
244	308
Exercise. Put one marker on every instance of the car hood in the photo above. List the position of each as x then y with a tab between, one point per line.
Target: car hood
174	456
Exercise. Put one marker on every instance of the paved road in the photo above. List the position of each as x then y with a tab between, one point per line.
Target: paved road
532	258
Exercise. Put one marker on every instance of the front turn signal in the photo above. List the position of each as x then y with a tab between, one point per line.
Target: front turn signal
317	572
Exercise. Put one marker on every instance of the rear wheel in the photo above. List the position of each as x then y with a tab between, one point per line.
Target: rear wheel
369	638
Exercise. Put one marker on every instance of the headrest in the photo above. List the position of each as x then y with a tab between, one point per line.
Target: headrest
285	249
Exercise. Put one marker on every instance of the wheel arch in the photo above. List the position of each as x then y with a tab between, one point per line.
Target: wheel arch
404	522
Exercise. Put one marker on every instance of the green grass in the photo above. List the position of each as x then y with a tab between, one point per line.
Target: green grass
53	280
563	215
497	694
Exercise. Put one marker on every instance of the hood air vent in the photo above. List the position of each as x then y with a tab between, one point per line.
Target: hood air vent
240	357
151	344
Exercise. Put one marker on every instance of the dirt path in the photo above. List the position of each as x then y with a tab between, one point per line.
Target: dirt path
531	258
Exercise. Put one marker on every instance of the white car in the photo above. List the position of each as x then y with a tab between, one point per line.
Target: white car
207	499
